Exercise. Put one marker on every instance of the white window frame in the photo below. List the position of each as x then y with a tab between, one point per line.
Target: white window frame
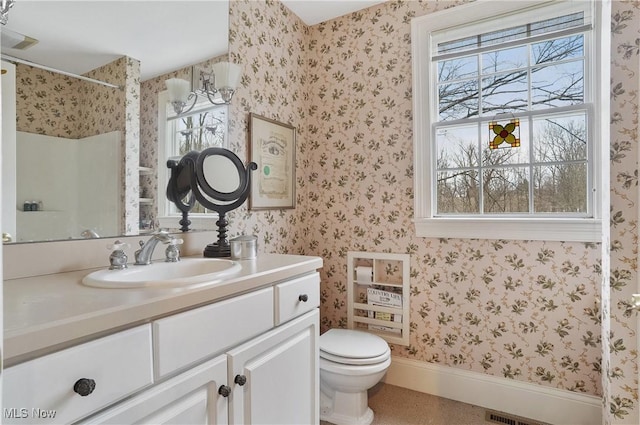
531	226
167	219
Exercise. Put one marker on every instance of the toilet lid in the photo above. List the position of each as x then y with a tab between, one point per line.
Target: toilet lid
349	346
354	362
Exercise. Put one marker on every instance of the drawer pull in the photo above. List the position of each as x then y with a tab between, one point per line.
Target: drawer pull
224	390
84	386
304	298
240	380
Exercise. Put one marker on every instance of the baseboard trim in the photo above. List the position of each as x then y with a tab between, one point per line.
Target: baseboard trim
531	401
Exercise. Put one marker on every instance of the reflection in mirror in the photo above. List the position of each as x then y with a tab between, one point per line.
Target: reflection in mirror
220	174
203	127
75	110
83	200
179	187
62	125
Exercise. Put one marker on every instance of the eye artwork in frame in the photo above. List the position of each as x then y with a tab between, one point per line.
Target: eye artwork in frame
272	146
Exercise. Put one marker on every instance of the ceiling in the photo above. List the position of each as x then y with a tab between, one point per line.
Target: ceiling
77	36
315	11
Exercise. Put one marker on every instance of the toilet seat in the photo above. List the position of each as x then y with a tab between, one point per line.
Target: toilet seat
349	361
351	347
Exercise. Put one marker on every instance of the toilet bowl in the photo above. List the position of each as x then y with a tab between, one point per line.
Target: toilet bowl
351	362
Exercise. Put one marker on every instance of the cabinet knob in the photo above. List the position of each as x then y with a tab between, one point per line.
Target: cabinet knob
84	386
304	298
240	380
224	390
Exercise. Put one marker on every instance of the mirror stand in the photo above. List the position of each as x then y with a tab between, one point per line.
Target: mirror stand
185	222
221	248
179	187
204	177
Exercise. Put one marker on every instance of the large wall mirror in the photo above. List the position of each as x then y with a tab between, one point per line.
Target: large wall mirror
75	149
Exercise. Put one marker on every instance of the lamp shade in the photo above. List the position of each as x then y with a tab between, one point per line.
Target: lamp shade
179	89
227	75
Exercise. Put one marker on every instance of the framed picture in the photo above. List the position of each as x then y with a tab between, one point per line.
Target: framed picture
273	147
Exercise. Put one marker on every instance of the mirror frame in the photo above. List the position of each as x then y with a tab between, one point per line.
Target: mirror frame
204	183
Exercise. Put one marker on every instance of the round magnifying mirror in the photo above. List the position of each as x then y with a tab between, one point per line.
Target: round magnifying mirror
221	174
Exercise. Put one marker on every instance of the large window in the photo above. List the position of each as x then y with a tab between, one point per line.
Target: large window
507	139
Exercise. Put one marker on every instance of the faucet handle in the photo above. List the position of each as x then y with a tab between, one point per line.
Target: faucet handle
117	259
117	245
172	253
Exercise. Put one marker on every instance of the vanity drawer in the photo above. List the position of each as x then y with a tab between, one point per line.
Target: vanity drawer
198	334
297	296
42	390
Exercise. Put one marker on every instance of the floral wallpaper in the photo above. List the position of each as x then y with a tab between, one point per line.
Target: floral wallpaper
516	309
523	310
131	169
47	103
57	105
270	43
622	406
270	86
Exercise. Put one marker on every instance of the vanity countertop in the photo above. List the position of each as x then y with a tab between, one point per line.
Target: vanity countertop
46	313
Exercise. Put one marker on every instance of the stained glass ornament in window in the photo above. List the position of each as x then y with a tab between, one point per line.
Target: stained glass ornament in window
504	136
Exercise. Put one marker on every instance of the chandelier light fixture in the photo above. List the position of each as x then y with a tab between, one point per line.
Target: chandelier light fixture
222	80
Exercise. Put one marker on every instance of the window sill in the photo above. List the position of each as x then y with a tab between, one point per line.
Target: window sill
535	229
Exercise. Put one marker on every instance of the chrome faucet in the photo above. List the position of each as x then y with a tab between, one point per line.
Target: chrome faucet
89	234
143	255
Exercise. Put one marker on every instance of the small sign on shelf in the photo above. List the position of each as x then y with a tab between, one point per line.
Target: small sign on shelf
385	299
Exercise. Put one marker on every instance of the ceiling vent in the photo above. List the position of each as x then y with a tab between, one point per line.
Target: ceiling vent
15	40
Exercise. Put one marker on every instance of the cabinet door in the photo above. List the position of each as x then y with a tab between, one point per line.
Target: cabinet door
282	375
189	398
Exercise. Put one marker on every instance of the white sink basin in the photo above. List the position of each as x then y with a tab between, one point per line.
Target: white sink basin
187	271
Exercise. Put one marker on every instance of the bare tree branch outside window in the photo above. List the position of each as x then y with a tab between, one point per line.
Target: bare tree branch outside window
548	173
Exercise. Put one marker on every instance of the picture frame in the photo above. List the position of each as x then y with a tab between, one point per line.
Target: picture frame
272	147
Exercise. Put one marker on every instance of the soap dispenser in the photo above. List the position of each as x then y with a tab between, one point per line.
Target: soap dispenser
118	259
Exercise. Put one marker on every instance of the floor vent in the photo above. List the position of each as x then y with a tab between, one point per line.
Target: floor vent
506	419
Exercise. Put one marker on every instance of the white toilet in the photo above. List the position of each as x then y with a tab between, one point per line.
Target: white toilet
351	362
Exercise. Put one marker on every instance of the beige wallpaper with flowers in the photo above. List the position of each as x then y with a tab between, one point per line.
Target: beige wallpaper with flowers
622	403
518	309
57	105
522	310
271	86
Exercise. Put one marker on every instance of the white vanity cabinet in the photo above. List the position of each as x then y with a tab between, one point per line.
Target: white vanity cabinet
69	384
249	359
272	379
